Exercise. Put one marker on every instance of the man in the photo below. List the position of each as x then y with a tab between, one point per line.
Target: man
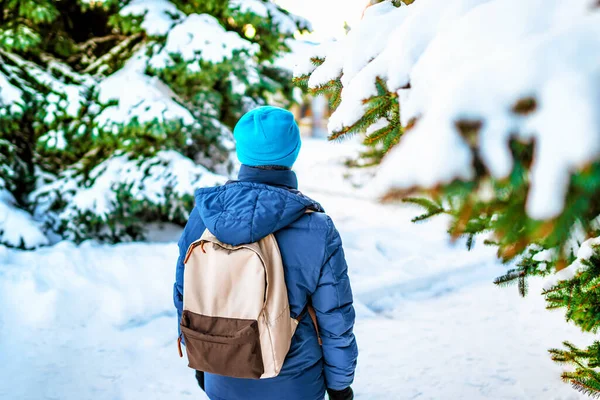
265	199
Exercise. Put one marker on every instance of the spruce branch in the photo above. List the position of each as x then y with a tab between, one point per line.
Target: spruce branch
56	65
379	134
114	52
94	41
509	278
431	207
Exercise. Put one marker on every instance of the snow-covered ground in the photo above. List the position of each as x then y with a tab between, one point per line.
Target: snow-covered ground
97	321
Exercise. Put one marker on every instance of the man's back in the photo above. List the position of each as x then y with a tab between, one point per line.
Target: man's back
264	202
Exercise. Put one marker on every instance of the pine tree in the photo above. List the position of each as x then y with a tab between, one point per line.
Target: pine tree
85	85
484	203
380	124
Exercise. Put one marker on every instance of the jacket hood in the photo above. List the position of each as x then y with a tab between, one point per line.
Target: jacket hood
245	212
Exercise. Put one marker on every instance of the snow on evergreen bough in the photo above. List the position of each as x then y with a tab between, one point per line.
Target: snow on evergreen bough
491	108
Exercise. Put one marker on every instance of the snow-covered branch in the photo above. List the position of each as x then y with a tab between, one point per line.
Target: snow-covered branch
526	70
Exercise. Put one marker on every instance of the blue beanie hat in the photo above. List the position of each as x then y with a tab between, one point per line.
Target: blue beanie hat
267	136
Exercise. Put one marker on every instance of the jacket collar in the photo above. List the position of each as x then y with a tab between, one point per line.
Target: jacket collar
283	178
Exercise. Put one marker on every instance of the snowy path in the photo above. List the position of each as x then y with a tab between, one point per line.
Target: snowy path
433	326
97	322
431	323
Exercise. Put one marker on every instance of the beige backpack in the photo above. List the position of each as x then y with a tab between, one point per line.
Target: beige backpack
236	315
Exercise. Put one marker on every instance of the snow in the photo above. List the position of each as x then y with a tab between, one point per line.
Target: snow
149	181
146	98
66	96
238	86
93	322
159	15
97	321
476	37
544	256
55	139
17	227
474	60
286	23
306	66
251	6
360	46
328	19
479	342
9	94
201	34
587	249
324	172
404	35
553	67
139	96
300	51
62	97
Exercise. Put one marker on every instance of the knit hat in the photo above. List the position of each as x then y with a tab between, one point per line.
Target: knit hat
267	136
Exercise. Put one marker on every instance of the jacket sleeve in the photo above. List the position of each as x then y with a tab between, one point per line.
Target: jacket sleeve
332	301
178	286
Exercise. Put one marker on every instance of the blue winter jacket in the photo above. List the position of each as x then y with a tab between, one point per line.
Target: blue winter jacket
263	202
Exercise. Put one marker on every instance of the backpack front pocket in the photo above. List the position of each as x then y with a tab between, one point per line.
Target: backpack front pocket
231	349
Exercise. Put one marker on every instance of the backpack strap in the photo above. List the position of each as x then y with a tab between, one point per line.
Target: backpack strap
313	316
